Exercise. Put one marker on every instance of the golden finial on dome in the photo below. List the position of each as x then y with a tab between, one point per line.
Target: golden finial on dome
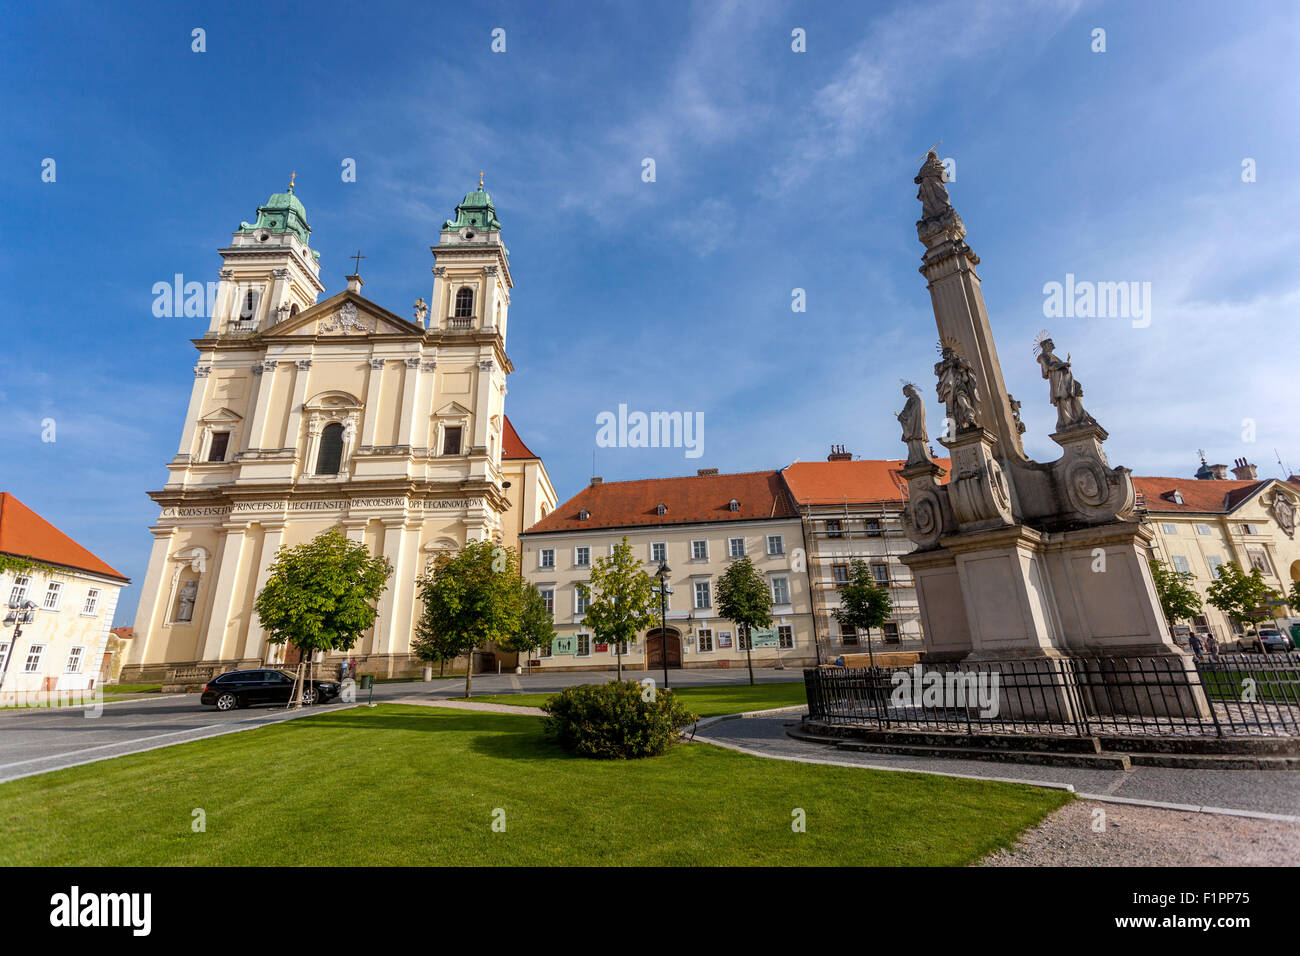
291	176
480	179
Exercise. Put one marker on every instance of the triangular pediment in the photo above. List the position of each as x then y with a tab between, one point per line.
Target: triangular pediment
452	410
347	313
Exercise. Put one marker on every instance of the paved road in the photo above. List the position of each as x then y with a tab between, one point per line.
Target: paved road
37	741
1259	791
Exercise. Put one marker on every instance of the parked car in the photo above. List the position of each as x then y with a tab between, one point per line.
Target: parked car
1269	639
243	688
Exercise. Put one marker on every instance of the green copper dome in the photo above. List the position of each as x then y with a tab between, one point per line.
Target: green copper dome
475	212
283	213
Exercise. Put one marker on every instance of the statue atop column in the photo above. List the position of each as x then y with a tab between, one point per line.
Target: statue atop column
933	194
1064	392
957	388
912	418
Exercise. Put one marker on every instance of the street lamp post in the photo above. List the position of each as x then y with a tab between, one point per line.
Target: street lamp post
662	574
25	613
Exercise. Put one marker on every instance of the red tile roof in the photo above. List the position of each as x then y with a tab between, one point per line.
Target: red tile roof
1200	496
26	534
867	480
689	500
512	446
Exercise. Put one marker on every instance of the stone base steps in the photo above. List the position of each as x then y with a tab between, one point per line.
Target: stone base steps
1108	753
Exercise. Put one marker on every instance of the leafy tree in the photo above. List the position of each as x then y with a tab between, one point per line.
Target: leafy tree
864	604
1178	599
622	599
744	598
320	596
1293	596
536	622
471	599
1243	597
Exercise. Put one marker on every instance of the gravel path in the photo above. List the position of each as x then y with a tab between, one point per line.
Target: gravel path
1145	836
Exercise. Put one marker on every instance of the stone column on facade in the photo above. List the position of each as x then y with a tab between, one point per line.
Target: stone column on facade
483	403
262	403
314	429
223	599
198	395
302	372
147	615
272	538
410	391
388	621
374	388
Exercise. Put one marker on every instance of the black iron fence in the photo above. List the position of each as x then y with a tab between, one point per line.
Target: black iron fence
1231	695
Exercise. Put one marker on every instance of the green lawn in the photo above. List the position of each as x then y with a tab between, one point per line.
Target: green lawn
418	786
709	701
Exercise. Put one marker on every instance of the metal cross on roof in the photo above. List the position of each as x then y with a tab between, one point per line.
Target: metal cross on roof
358	257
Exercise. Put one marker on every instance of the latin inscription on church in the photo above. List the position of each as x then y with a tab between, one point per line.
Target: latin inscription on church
341	504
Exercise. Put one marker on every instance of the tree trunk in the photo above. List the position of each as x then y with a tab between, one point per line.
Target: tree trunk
749	652
442	665
469	673
618	652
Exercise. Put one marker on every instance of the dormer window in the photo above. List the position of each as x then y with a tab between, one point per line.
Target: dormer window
733	505
464	302
584	515
662	509
1175	496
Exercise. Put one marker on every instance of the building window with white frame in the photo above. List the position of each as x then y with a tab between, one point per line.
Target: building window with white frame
581	599
74	660
34	654
736	547
785	637
53	596
873	528
544	651
704	640
775	544
658	551
218	445
92	602
1168	528
1202	529
702	598
584	645
18	593
840	574
781	590
546	558
699	550
451	439
548	598
1181	565
582	557
833	528
1215	562
881	573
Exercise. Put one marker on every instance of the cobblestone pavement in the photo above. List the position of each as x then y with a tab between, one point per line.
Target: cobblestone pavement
1256	791
1087	833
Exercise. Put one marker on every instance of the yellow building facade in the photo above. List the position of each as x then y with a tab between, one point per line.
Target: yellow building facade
309	414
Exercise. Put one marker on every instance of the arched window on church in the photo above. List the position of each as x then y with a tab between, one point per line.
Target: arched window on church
293	310
464	302
330	456
248	308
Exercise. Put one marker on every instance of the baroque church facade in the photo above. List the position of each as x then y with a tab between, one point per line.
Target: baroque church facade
307	415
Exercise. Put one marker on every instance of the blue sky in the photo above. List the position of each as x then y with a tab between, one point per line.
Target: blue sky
775	170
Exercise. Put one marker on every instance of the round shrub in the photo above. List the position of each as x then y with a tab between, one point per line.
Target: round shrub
613	722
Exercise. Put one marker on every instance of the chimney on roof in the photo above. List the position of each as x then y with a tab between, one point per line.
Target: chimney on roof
595	480
706	471
839	454
1219	472
1243	470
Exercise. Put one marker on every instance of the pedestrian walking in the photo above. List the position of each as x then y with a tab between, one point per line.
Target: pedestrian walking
1212	646
1195	640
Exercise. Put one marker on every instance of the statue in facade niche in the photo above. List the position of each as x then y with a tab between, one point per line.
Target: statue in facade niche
912	418
933	194
957	388
1064	391
185	606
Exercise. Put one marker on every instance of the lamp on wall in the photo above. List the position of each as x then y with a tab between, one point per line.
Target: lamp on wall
24	613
